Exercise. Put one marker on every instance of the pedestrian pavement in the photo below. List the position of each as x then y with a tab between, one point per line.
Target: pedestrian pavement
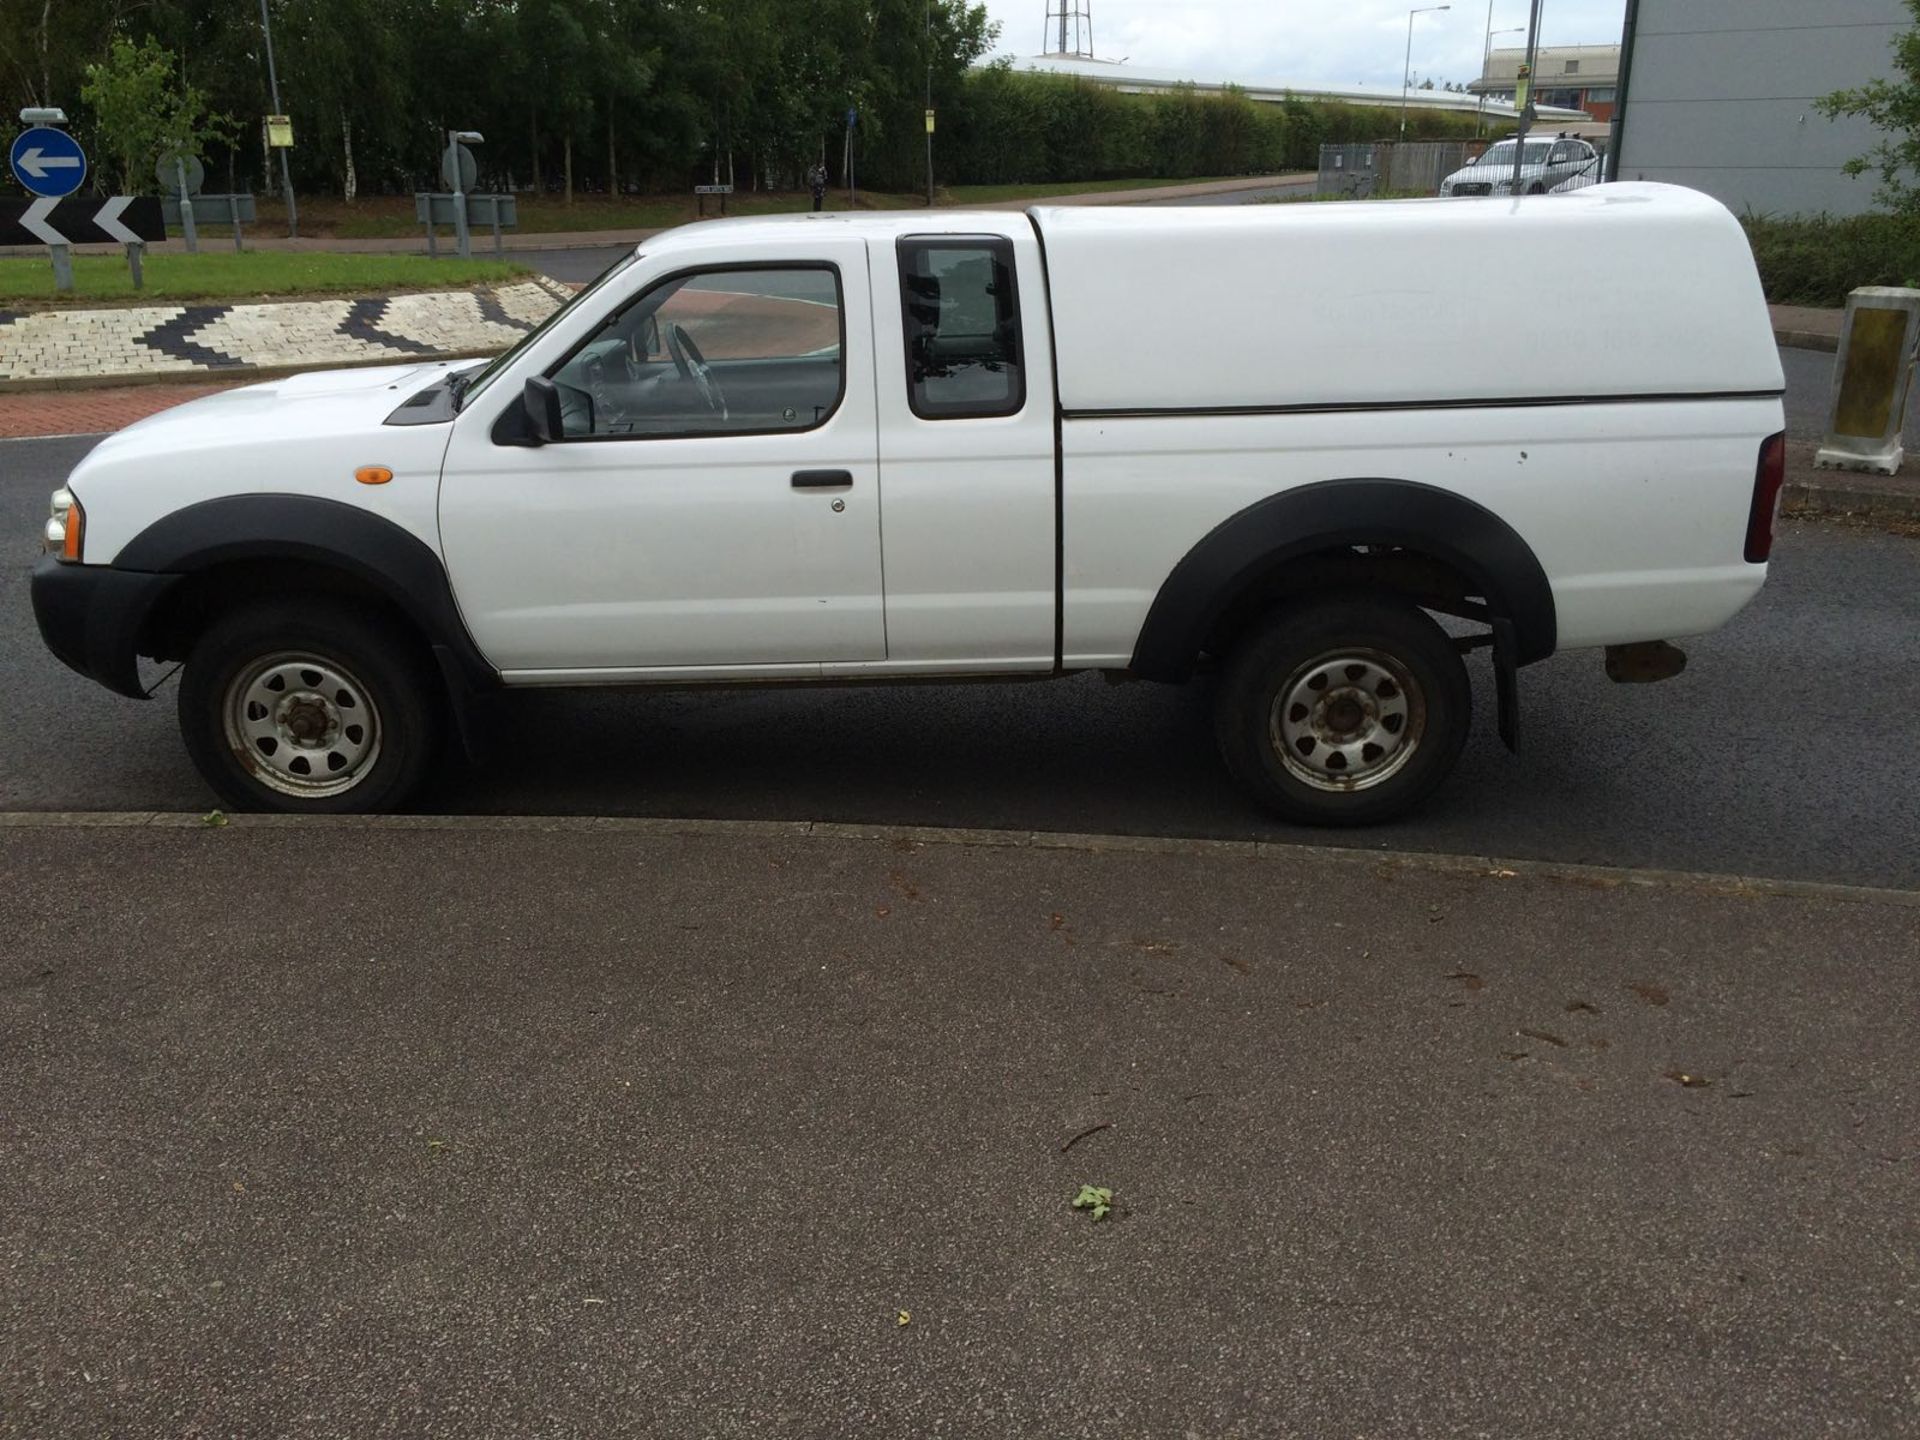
83	347
1807	327
656	1128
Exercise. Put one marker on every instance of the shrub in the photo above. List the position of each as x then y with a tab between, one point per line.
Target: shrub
1816	260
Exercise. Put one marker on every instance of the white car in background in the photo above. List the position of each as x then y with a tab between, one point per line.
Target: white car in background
1548	163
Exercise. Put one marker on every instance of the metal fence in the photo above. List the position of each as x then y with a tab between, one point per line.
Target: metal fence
1358	172
1413	167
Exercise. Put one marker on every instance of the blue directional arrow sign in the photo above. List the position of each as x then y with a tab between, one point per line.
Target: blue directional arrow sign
48	161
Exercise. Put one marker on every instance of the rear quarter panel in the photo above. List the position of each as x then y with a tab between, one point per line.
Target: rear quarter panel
1636	511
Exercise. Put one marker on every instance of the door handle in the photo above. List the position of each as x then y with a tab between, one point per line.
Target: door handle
822	479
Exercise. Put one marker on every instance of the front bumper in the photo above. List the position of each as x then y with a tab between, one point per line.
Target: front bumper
91	617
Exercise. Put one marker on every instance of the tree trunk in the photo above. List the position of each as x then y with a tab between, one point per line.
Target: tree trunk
352	183
613	165
566	148
533	130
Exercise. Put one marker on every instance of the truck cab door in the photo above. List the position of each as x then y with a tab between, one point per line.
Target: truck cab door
712	508
966	406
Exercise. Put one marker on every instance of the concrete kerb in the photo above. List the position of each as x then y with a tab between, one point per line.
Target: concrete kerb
1807	340
1265	851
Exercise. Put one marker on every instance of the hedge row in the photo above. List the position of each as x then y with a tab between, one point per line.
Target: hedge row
1816	261
1017	128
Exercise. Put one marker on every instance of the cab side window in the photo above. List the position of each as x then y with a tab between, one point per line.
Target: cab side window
961	313
741	350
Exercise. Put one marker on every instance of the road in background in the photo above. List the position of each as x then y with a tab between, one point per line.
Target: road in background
1781	750
577	266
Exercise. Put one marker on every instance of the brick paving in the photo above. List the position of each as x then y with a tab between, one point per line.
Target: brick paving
140	340
90	412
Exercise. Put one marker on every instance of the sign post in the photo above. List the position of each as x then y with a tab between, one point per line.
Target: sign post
929	157
183	175
49	163
462	173
853	118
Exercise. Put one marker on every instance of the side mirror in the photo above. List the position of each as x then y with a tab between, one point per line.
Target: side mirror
541	400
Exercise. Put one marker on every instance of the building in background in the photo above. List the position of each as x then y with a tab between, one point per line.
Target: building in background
1719	95
1566	77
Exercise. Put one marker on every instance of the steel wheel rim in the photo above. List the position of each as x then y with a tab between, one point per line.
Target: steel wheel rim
302	725
1348	720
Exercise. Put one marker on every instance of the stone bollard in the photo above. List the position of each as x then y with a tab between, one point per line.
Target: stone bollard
1870	379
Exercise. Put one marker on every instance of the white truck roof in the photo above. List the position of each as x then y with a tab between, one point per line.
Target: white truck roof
1616	290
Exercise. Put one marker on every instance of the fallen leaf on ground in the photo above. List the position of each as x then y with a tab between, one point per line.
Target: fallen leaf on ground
1692	1082
1545	1035
1652	994
1468	979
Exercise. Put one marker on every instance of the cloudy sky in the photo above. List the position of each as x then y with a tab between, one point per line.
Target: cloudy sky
1342	41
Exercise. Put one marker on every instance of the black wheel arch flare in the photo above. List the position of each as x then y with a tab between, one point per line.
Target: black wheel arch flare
390	560
1328	515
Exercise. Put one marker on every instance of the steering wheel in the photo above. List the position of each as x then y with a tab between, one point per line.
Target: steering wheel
693	366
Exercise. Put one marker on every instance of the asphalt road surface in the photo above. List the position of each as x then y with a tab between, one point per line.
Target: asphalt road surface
1784	750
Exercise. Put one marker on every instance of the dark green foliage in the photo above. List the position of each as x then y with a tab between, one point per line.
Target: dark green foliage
657	94
1816	261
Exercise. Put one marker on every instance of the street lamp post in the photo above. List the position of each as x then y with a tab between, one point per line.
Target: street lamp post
1486	59
273	90
1406	74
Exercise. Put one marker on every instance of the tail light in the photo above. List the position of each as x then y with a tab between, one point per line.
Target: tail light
1768	477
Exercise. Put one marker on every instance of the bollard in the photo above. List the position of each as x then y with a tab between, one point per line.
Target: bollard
1871	375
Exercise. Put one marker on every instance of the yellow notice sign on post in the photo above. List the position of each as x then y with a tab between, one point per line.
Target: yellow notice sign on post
1522	86
280	131
930	122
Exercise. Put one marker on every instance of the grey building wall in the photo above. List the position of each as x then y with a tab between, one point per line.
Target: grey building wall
1720	97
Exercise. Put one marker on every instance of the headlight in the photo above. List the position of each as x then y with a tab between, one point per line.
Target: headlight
66	529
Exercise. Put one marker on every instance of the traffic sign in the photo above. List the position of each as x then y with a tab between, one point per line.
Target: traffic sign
92	221
166	170
48	161
458	169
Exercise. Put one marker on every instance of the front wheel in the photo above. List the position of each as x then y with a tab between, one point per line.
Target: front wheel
308	707
1344	710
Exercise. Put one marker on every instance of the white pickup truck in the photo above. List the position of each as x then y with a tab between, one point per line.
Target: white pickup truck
1271	442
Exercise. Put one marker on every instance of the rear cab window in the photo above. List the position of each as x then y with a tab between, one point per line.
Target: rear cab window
960	309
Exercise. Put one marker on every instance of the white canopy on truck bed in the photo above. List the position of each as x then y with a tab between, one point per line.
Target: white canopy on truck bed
1621	290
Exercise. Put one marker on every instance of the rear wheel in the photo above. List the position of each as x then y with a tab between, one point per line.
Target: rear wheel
1343	710
308	707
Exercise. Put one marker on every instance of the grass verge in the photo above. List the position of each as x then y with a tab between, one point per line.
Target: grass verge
257	274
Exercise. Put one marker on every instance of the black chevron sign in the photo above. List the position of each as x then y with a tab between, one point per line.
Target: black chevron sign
81	220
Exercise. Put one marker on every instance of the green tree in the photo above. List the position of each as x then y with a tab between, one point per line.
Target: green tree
1892	105
143	109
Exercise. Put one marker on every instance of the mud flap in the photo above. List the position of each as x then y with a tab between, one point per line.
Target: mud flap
1506	684
473	708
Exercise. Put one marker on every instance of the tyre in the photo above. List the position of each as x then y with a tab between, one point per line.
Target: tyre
1536	188
1346	709
308	707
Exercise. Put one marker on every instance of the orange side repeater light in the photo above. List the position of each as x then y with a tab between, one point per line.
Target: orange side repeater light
373	474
